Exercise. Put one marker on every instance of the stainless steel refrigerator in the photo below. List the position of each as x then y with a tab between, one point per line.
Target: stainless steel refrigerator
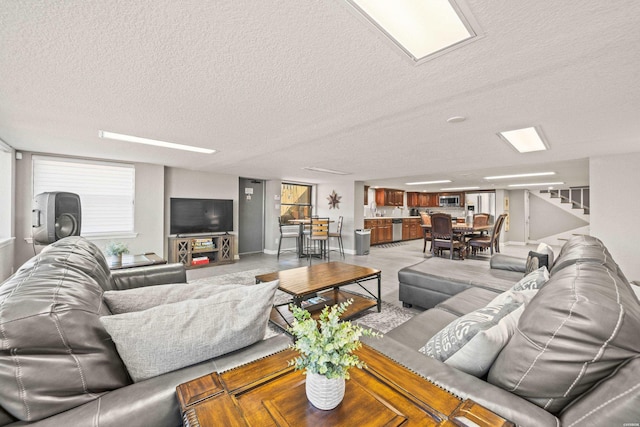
481	203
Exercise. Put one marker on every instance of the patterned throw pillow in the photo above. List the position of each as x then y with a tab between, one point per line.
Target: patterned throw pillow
536	260
472	342
533	280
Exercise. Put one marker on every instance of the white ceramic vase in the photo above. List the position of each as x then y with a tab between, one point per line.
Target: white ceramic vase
324	393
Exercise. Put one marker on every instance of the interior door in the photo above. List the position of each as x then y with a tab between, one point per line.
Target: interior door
251	216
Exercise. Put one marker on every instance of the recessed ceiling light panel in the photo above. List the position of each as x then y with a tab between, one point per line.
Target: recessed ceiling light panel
524	140
441	181
536	184
418	27
459	188
155	142
323	170
520	175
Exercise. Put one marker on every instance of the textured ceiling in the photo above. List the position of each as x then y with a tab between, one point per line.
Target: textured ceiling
279	85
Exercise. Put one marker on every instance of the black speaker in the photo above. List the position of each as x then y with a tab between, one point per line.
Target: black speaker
55	215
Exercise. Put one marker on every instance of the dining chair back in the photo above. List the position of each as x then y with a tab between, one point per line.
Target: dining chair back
443	237
426	220
318	235
481	219
288	231
492	242
338	235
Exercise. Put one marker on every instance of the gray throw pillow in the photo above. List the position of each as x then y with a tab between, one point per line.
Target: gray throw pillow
472	342
534	280
171	336
138	299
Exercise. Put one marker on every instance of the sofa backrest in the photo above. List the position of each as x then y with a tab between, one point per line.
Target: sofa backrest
578	335
584	249
54	352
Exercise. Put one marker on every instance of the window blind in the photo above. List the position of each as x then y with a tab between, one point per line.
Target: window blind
106	190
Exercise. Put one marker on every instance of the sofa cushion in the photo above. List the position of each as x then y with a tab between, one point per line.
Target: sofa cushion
468	301
416	331
580	326
54	352
171	336
139	299
472	342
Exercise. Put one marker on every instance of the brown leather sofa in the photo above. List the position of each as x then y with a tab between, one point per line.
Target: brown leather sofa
58	365
574	359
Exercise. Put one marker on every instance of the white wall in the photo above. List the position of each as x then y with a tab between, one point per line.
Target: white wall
346	209
199	185
148	218
7	199
615	205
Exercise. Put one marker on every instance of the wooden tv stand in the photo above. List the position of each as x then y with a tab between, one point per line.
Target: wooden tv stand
202	250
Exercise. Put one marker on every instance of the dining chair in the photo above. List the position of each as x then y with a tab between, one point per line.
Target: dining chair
318	235
492	242
481	219
443	237
288	231
338	235
426	220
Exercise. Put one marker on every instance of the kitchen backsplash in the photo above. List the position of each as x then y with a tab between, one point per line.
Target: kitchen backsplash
390	211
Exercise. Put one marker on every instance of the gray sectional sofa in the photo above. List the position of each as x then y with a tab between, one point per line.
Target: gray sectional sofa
58	365
574	356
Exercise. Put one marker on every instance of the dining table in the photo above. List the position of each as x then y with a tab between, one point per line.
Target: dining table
462	229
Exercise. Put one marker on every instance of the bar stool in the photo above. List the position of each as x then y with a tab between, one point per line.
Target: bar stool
286	232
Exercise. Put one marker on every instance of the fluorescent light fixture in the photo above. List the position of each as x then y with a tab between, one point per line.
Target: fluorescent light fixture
460	188
441	181
524	140
323	170
535	184
520	175
138	140
418	27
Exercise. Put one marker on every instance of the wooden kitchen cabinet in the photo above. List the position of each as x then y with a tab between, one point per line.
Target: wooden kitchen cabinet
389	197
411	229
381	230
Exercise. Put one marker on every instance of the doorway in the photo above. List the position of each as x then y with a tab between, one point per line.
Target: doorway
251	216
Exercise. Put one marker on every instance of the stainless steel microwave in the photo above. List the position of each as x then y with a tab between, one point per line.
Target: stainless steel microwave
449	200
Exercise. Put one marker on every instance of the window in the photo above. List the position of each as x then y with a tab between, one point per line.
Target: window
106	191
295	201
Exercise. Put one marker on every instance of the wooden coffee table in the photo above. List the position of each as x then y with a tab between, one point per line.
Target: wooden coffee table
268	392
324	280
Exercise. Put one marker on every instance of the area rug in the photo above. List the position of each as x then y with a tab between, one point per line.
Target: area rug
390	316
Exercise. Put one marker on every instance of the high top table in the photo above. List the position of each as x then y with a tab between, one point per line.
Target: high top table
324	280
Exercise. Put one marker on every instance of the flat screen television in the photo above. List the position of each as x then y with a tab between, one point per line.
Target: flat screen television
190	216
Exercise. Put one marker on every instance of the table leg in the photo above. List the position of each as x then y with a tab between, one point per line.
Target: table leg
379	290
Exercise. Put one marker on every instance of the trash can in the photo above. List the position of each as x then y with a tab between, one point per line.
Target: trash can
363	241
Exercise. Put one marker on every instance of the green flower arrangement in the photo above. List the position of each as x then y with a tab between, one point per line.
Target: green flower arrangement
326	346
116	248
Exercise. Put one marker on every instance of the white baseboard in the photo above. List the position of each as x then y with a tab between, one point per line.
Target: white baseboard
515	243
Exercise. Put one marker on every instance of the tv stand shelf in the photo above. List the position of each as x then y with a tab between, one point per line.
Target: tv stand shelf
201	251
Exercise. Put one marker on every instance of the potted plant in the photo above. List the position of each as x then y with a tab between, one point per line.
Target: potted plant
116	249
325	350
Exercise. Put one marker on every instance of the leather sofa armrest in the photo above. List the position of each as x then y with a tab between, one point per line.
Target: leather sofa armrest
137	277
463	385
509	263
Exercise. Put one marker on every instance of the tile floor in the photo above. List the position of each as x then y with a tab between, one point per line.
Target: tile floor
387	258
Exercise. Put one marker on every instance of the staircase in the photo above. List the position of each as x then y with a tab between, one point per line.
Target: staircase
574	200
